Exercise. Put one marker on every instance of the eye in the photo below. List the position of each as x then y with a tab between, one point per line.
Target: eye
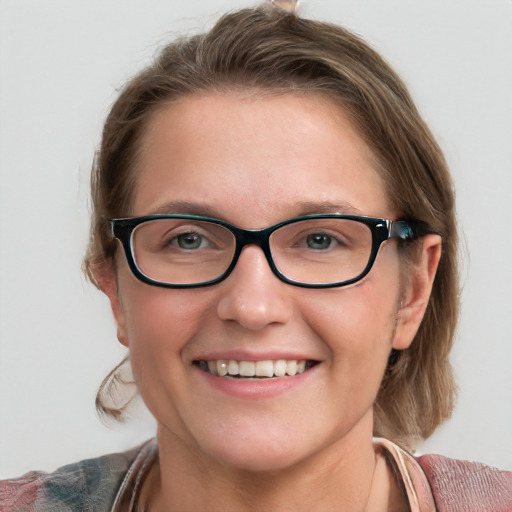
319	241
189	241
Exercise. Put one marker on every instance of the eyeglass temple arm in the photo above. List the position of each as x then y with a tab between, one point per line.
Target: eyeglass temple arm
409	230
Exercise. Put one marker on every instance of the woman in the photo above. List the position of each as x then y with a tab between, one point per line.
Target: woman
274	227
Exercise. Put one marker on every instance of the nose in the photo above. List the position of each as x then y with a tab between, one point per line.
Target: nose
253	296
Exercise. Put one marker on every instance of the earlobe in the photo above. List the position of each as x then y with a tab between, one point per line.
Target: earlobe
416	291
106	280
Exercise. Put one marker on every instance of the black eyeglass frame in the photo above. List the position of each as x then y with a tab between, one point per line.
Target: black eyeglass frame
381	229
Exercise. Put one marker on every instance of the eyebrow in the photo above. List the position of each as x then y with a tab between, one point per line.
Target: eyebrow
299	208
188	208
310	207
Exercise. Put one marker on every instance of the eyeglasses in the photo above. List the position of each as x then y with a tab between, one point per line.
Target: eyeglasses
312	251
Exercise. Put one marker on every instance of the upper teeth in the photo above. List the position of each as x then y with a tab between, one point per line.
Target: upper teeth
269	368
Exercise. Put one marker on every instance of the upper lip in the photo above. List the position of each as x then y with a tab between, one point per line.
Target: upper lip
238	355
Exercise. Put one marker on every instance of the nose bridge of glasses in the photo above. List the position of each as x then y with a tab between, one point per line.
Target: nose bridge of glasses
258	237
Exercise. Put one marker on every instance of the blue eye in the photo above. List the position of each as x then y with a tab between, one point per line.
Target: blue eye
319	241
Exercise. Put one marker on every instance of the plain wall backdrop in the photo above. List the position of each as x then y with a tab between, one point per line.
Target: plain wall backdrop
61	63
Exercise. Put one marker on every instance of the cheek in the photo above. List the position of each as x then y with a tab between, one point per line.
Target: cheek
358	317
160	323
356	325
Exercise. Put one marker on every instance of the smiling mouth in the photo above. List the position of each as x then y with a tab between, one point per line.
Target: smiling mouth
255	369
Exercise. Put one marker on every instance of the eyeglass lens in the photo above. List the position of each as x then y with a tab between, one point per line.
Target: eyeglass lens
184	251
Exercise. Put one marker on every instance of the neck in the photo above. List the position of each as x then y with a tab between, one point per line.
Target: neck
340	477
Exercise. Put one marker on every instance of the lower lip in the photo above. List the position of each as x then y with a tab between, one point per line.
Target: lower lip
257	389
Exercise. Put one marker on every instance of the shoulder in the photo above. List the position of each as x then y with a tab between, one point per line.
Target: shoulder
89	485
467	486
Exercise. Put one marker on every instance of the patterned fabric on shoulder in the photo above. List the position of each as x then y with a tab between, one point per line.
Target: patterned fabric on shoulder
467	486
89	486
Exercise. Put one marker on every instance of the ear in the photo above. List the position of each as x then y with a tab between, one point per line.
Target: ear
106	280
416	291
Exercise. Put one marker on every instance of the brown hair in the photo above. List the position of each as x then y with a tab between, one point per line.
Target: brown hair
264	50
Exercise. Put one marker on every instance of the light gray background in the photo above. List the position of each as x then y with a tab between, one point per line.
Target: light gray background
60	65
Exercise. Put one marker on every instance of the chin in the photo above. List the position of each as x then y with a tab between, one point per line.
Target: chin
258	461
256	453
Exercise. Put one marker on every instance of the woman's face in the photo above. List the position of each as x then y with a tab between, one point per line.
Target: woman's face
255	161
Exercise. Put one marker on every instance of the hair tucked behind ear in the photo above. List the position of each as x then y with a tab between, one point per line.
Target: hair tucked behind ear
264	52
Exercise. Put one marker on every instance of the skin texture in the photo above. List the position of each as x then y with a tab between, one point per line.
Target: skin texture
255	160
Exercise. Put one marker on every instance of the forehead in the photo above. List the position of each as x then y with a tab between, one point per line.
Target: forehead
261	155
